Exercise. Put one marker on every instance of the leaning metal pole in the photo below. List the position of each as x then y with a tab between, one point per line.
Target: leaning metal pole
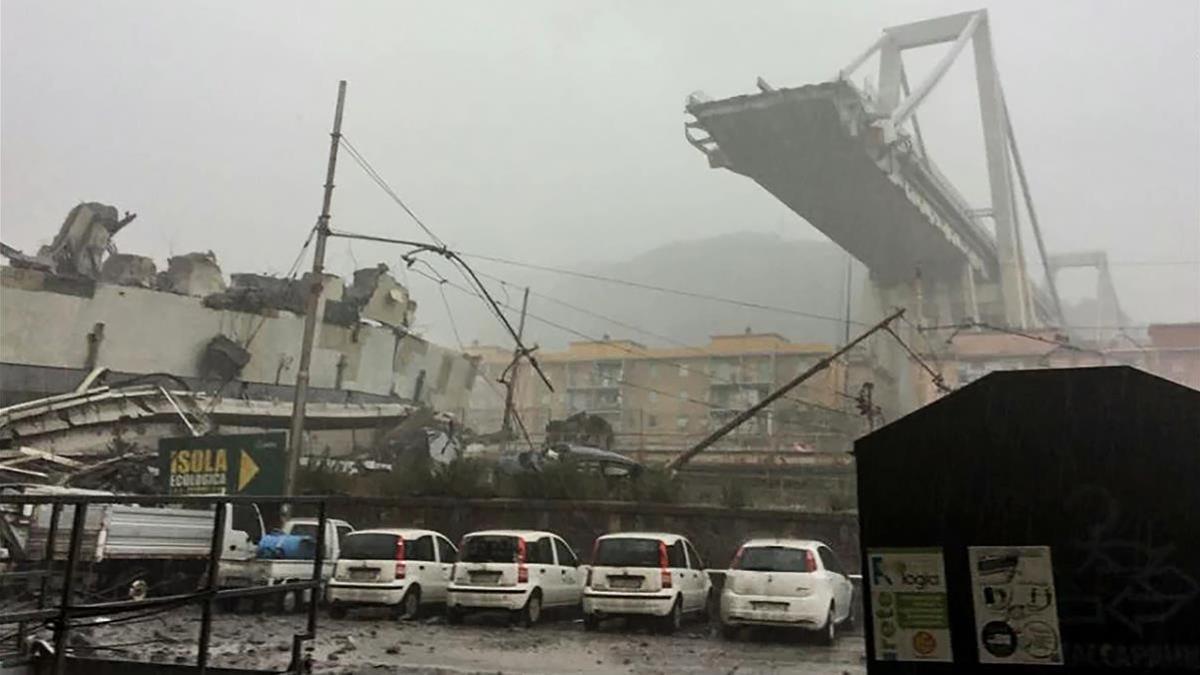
313	305
753	410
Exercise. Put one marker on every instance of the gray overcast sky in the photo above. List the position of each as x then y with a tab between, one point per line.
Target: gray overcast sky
552	131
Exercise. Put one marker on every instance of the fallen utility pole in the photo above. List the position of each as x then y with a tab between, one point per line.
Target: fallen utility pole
313	306
753	410
510	383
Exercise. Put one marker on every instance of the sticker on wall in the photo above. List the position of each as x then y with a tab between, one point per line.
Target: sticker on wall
908	604
1016	611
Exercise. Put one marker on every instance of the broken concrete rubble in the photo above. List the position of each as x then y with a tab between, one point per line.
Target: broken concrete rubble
223	358
380	297
365	349
127	269
84	238
192	274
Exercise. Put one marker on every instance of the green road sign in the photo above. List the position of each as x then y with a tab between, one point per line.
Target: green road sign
250	464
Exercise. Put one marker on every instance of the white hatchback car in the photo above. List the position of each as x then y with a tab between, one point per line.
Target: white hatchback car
786	582
645	573
522	571
401	568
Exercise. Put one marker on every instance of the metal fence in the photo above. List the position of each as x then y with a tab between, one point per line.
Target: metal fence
61	615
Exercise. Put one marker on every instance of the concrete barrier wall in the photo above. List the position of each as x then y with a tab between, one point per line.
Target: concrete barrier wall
715	531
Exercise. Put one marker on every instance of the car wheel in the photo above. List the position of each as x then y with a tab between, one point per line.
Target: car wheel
673	620
829	632
591	622
410	605
337	611
729	632
454	616
848	624
531	613
712	607
287	602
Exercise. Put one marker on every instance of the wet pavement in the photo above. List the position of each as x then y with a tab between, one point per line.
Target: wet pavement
373	643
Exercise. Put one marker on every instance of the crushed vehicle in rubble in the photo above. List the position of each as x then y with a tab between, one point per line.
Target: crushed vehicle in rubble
603	462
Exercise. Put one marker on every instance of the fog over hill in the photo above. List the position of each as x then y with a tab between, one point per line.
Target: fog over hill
801	275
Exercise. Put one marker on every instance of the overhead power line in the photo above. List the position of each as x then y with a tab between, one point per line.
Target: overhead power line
645	353
840	320
630	350
375	176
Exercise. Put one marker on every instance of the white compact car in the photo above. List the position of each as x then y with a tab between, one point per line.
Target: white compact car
786	582
522	571
648	574
401	568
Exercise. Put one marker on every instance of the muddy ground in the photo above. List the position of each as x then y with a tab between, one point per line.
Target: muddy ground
373	643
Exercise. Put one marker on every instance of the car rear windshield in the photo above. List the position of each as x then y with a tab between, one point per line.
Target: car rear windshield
772	559
627	552
489	548
369	547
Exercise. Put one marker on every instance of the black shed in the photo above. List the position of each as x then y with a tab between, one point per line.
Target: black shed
1035	519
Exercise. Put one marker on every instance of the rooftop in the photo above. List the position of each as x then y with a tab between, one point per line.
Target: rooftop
738	344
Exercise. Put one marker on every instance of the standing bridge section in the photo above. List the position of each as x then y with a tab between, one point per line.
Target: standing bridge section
853	164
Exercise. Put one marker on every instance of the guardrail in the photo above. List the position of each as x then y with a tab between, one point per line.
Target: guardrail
60	617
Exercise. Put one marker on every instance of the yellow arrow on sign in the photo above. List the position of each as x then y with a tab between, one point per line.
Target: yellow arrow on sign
247	471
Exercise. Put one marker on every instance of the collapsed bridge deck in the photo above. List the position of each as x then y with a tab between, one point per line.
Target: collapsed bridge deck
814	148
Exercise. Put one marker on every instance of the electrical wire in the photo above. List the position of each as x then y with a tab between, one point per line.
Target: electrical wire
928	344
478	287
938	380
292	271
662	289
628	383
648	354
383	185
643	353
450	315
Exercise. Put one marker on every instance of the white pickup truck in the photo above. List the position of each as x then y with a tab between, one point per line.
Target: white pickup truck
262	571
126	551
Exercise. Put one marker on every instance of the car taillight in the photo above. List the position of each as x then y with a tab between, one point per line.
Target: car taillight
737	558
522	570
810	562
664	564
400	567
589	577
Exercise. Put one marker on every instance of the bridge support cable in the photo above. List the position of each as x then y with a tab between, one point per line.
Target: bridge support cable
897	103
1051	283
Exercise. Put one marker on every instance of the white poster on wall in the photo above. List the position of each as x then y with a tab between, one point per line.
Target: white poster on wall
1016	609
908	604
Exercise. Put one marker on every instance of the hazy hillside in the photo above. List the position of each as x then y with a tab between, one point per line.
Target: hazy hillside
806	276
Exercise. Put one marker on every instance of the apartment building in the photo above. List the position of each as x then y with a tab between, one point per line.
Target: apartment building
655	396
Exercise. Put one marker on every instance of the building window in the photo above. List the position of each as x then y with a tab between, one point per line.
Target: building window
652	371
653	397
683	396
683	370
681	422
764	371
651	421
